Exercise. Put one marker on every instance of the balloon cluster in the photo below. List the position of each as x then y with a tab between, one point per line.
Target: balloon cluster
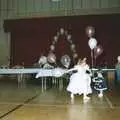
90	31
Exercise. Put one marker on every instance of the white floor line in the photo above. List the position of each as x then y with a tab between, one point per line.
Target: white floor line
109	102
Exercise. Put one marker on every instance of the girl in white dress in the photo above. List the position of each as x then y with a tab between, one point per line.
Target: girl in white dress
80	81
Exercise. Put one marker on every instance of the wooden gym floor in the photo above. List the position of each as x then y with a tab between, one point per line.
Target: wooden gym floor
31	103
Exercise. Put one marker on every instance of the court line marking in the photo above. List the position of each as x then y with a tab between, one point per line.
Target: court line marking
58	105
109	102
19	106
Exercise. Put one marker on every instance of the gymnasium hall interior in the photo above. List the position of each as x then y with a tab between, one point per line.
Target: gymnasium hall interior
40	41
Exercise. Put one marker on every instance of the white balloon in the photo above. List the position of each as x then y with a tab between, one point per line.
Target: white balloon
92	43
68	37
72	46
42	60
51	58
55	38
65	60
61	31
118	58
52	47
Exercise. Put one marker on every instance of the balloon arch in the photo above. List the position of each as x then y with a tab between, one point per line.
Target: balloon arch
65	60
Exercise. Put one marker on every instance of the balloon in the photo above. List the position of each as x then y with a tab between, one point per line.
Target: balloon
98	51
42	60
51	58
75	55
53	42
66	33
61	31
72	46
70	41
58	34
118	58
65	60
68	37
74	50
90	31
92	43
55	38
52	47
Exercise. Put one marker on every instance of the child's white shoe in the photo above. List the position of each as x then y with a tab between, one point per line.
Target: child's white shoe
86	98
72	96
100	95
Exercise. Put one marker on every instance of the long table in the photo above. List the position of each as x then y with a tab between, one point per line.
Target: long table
42	72
19	71
56	72
94	69
34	70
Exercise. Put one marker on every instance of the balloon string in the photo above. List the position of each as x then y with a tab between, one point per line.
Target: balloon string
92	58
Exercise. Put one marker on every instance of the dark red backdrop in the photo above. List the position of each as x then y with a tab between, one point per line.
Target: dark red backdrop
32	37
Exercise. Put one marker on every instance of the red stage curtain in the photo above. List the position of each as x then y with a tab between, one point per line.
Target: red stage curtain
32	37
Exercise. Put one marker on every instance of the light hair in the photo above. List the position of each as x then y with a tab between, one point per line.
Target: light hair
79	61
84	60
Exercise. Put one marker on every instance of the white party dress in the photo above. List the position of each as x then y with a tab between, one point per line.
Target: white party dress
80	81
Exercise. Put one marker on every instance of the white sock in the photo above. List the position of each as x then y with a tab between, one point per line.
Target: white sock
72	95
